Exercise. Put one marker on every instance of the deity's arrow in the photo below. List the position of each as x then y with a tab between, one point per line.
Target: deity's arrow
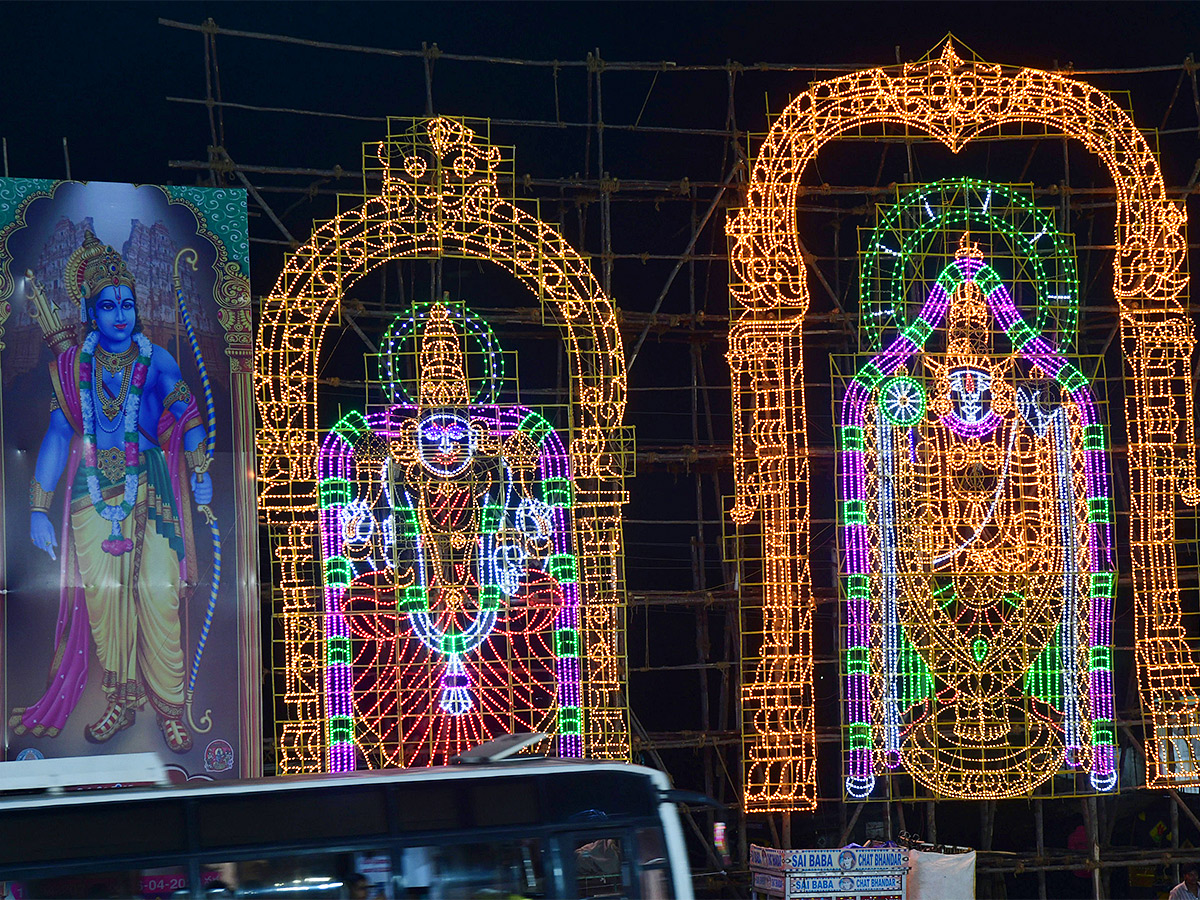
204	509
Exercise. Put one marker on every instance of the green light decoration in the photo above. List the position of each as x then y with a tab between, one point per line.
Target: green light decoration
902	400
979	649
1026	249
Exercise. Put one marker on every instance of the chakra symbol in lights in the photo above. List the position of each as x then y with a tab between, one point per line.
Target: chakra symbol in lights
903	401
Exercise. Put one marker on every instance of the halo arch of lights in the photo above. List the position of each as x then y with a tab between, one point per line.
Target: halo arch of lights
439	198
953	101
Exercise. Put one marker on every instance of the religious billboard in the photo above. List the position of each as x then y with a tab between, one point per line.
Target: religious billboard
125	369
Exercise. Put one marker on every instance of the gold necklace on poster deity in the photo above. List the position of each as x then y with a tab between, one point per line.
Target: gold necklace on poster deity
112	363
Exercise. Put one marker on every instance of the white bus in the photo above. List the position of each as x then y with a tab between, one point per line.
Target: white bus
522	828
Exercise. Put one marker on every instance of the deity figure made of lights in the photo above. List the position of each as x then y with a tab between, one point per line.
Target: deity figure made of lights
507	585
975	507
446	528
955	102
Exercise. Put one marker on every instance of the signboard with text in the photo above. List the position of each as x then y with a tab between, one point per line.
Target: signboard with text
838	872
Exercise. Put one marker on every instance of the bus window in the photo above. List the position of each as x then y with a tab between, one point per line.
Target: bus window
242	819
654	869
144	884
326	875
504	801
156	883
56	832
599	865
376	881
588	796
429	807
506	867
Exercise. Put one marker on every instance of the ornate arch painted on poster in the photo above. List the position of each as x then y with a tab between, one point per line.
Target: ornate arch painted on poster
440	198
953	101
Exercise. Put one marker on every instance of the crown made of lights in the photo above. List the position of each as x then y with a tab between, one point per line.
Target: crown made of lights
967	248
441	378
93	267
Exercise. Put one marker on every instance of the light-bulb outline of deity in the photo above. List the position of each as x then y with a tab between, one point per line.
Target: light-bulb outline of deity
961	404
502	538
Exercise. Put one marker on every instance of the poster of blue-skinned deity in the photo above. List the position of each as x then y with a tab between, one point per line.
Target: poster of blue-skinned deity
130	613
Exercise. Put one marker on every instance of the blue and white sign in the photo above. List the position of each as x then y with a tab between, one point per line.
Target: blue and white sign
840	872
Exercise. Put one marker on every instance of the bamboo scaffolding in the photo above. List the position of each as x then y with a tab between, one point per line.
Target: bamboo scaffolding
688	305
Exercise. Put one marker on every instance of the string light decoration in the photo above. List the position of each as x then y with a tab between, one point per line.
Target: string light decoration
953	101
451	596
440	198
975	507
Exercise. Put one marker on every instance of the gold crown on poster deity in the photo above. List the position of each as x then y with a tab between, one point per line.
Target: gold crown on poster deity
93	267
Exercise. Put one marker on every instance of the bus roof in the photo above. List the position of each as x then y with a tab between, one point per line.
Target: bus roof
512	767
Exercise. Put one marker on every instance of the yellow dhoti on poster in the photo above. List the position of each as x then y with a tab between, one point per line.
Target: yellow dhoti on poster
133	599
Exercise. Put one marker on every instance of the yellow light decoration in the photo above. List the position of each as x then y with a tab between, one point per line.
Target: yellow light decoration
439	198
953	101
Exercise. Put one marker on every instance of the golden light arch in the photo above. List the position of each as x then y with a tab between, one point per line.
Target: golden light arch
953	101
439	198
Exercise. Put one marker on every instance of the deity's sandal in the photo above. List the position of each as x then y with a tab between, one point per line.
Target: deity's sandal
116	718
175	735
14	720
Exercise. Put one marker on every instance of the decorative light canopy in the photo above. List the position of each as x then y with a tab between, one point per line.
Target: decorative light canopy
439	198
954	101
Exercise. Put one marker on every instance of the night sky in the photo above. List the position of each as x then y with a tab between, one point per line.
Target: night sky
98	73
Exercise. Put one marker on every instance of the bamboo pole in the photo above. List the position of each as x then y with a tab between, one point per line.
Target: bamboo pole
634	66
1040	837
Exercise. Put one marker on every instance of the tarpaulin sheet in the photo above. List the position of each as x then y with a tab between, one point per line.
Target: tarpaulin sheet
941	876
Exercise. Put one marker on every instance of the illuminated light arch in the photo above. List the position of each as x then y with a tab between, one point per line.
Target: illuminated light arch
953	101
439	198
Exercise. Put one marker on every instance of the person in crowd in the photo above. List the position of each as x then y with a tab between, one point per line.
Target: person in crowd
1189	888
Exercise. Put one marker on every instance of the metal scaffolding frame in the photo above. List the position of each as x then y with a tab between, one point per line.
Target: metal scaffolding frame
666	185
